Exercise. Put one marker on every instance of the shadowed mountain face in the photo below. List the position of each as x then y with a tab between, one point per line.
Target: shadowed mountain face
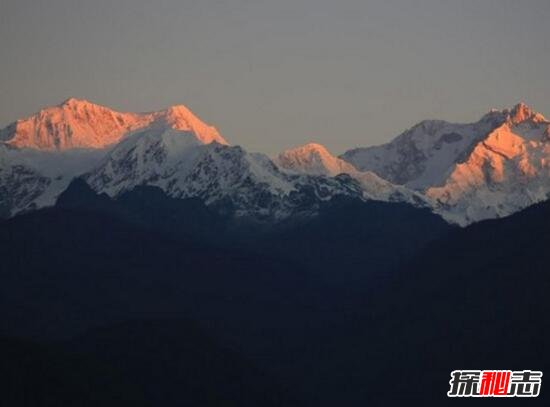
79	273
369	303
93	261
185	365
357	241
169	362
338	235
149	208
42	375
477	298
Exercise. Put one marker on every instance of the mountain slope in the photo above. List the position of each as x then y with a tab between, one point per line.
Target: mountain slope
133	364
475	297
487	169
30	178
175	360
355	243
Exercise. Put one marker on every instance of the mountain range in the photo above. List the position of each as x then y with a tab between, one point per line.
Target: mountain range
148	262
463	172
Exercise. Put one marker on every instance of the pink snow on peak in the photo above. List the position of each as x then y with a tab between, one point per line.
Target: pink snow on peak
78	123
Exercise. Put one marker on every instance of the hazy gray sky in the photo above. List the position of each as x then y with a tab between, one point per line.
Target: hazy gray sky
271	74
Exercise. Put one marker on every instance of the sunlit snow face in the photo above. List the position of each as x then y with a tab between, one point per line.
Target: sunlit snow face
81	124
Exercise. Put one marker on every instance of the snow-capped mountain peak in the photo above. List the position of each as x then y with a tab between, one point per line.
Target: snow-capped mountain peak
40	155
179	117
521	113
78	123
314	159
490	168
76	103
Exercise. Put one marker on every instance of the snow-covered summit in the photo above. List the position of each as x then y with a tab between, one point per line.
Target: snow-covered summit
40	155
487	169
315	159
77	123
522	113
421	156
